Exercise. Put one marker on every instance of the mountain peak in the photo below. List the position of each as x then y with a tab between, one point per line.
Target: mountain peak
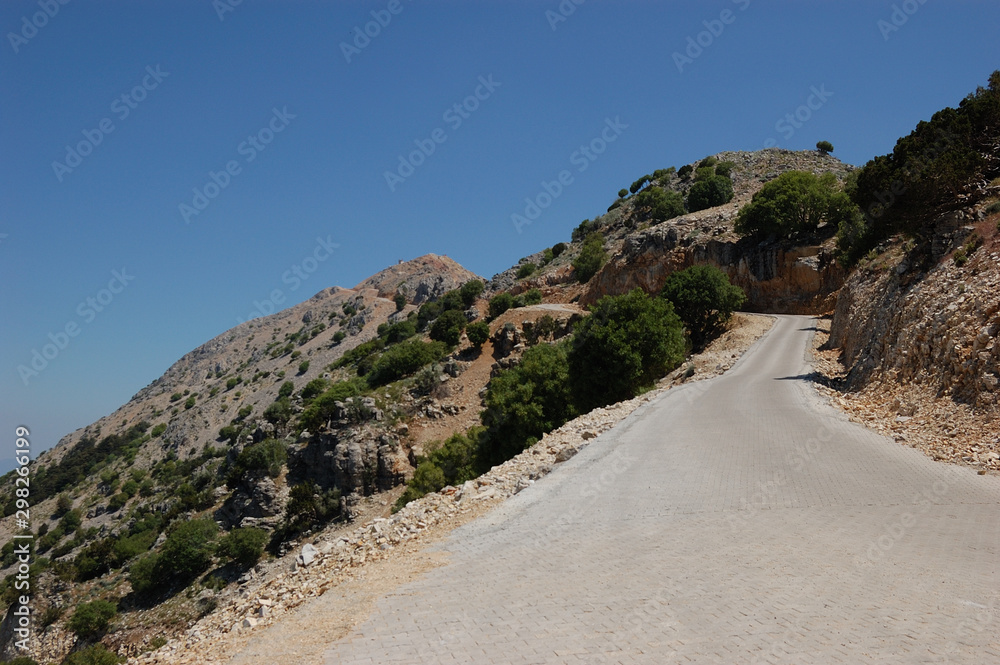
419	279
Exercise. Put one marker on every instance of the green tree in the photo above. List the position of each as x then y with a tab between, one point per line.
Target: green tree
704	300
280	412
526	270
500	303
400	301
92	619
710	192
622	193
243	545
592	257
478	333
794	202
405	359
286	389
188	549
626	344
558	249
526	401
470	291
824	147
639	184
448	327
658	204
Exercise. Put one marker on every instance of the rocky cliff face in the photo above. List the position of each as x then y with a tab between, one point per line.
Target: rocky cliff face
900	322
776	278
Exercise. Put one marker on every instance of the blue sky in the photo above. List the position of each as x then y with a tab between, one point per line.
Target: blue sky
117	114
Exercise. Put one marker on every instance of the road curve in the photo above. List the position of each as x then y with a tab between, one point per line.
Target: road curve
735	520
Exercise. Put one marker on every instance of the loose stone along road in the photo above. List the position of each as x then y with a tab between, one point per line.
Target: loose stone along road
735	520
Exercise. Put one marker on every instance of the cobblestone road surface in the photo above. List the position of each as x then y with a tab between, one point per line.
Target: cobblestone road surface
736	520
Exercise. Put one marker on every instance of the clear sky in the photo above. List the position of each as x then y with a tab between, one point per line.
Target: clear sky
275	123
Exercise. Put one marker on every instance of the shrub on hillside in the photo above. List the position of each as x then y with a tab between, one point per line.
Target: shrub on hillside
713	191
558	249
286	389
500	303
93	655
400	301
685	171
91	620
794	202
725	169
448	327
824	147
531	297
470	291
243	545
269	455
449	463
704	300
404	359
625	345
478	333
622	193
658	204
592	257
187	551
320	411
639	184
526	270
525	402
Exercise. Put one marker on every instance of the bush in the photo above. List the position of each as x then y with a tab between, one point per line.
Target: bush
303	367
470	291
94	655
320	411
158	430
703	173
64	504
622	193
308	506
639	184
189	402
707	162
592	257
233	382
713	191
704	300
532	297
478	333
448	327
313	388
397	332
658	204
525	402
794	202
243	546
187	551
625	345
339	336
500	303
824	147
91	619
269	455
286	389
405	359
684	171
280	412
725	169
449	463
583	229
525	270
175	397
558	249
400	301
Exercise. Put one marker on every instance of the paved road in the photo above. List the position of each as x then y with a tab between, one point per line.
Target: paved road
737	520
